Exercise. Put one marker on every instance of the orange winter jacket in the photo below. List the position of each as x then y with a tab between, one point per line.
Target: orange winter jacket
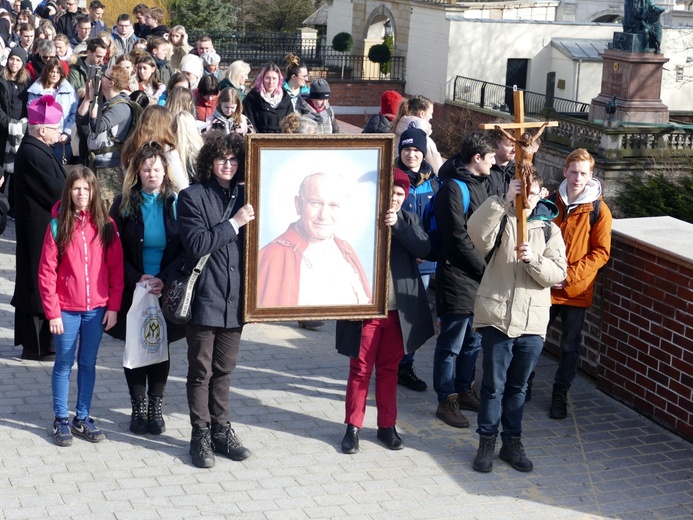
587	250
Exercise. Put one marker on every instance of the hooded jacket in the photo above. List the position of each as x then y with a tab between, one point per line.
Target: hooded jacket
423	185
460	265
588	247
65	95
86	276
432	154
515	297
126	43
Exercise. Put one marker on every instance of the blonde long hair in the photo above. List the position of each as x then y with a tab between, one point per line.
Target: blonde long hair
189	140
154	125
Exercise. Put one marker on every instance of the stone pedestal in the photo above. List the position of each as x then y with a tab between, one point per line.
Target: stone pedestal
636	80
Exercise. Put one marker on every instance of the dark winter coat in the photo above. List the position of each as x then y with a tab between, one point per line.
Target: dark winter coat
409	242
500	178
219	289
262	116
460	265
378	124
131	230
13	101
39	182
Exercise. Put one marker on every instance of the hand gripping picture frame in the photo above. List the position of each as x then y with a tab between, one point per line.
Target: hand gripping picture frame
318	247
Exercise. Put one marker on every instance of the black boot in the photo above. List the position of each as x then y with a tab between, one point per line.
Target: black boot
406	376
350	442
390	438
138	419
224	440
513	452
201	448
483	463
155	418
559	403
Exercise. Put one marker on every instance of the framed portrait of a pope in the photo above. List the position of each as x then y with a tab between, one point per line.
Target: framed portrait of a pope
318	247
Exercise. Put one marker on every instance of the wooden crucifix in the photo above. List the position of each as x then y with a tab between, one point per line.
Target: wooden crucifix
526	145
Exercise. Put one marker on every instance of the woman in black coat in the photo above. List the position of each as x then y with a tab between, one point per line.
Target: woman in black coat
211	216
146	218
39	187
268	103
14	82
381	343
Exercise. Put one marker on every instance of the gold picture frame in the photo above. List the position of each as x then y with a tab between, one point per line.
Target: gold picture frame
318	248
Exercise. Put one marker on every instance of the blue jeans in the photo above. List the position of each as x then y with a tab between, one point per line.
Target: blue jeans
88	325
572	320
507	364
457	348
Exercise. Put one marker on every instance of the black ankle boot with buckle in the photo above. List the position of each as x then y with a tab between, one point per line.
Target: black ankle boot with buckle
155	417
138	419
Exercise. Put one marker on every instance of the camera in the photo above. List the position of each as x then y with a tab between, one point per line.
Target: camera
94	74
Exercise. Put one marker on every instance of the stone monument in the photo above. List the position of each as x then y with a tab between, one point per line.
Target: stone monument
632	69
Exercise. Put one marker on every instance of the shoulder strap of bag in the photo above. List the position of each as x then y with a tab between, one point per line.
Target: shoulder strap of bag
197	270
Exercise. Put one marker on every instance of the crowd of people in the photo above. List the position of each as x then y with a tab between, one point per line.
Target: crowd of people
123	151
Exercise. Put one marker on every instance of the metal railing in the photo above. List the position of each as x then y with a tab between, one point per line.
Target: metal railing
257	49
500	97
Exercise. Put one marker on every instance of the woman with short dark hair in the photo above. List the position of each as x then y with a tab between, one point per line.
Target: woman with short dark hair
211	216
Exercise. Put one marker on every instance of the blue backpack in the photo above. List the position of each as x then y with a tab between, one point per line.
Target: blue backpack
429	220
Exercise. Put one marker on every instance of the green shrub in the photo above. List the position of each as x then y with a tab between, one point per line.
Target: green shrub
379	53
342	42
657	195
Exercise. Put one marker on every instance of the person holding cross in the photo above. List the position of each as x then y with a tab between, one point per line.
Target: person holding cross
511	312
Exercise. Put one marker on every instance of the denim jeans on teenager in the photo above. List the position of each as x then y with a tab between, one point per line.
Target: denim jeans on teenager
457	348
572	320
507	364
88	326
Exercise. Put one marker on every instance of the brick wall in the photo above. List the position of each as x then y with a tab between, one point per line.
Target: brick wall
639	333
647	334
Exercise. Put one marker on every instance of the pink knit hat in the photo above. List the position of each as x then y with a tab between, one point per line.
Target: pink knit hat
45	111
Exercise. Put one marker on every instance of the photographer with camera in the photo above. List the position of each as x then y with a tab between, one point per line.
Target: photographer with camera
80	70
106	119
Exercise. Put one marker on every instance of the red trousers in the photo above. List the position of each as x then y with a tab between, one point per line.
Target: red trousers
382	346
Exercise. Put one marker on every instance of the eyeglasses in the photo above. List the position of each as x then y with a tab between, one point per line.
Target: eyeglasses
46	58
109	78
54	128
232	161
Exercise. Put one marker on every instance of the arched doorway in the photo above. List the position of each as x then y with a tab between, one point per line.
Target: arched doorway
380	28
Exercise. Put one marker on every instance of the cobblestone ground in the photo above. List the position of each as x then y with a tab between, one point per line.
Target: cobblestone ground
287	397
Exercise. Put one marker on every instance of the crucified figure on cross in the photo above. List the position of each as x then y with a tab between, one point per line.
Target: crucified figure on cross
524	162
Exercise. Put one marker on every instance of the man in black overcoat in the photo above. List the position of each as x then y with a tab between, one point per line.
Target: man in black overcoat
39	185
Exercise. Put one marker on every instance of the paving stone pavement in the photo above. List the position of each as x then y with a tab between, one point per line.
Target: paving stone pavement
287	402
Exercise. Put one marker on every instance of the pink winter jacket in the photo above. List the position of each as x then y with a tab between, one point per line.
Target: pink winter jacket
86	276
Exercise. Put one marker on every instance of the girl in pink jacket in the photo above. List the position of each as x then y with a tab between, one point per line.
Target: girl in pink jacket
81	285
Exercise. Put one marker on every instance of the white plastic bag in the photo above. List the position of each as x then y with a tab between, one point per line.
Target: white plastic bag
145	342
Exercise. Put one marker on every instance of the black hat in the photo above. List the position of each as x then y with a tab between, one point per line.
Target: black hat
319	89
26	4
414	137
19	52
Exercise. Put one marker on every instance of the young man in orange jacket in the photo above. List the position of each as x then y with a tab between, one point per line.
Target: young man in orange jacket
585	221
